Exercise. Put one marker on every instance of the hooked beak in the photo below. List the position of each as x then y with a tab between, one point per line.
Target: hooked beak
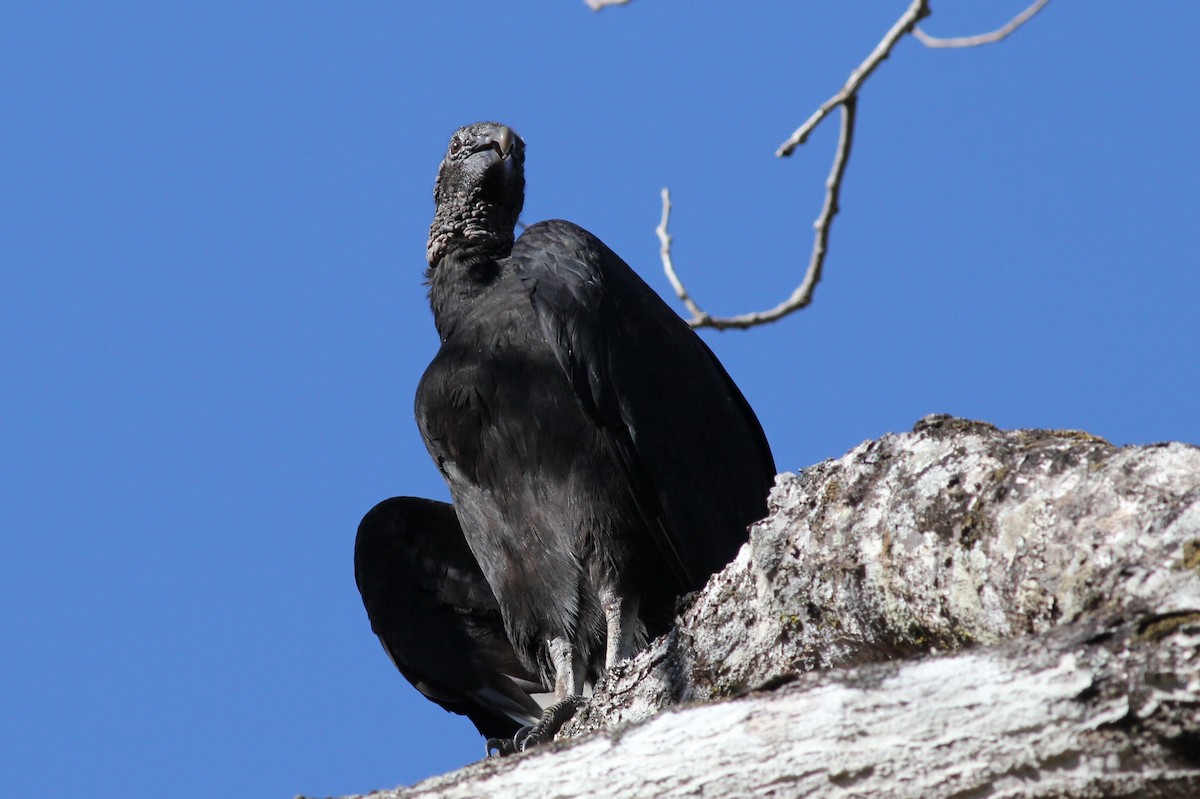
499	138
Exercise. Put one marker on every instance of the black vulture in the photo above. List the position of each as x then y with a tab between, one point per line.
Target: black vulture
437	618
600	459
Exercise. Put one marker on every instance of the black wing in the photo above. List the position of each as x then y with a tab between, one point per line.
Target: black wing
436	617
694	453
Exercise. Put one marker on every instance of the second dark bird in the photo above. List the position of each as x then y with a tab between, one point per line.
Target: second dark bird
437	618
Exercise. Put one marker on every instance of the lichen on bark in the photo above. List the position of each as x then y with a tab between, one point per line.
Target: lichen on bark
954	611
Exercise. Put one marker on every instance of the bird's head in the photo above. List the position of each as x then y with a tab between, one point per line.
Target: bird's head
479	191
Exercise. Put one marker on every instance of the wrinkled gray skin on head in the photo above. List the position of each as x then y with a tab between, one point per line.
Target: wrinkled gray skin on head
480	190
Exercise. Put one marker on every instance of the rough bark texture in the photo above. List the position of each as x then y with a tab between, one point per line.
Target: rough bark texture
954	612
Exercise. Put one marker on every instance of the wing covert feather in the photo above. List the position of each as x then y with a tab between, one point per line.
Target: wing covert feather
696	457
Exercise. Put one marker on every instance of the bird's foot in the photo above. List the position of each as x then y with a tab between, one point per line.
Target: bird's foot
551	722
503	747
548	726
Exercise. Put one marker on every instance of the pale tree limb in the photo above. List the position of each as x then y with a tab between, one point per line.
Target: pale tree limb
596	5
917	11
846	99
802	296
664	251
983	38
959	611
1046	719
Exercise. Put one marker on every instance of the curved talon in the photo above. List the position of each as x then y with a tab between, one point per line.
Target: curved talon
503	747
522	736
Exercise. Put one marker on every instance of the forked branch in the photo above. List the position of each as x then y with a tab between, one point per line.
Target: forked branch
802	296
846	98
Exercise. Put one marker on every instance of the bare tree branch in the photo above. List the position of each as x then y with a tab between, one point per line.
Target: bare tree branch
596	5
664	239
915	13
983	38
846	98
1057	577
802	296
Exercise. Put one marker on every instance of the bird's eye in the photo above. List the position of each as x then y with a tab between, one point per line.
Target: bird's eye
455	145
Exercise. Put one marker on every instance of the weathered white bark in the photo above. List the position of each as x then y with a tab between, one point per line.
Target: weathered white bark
955	612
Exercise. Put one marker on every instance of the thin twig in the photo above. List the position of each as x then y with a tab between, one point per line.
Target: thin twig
664	239
847	98
803	294
918	10
983	38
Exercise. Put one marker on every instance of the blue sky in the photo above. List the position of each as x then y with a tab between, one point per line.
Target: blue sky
212	232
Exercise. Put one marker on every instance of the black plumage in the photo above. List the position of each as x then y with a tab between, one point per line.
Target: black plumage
601	460
436	616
